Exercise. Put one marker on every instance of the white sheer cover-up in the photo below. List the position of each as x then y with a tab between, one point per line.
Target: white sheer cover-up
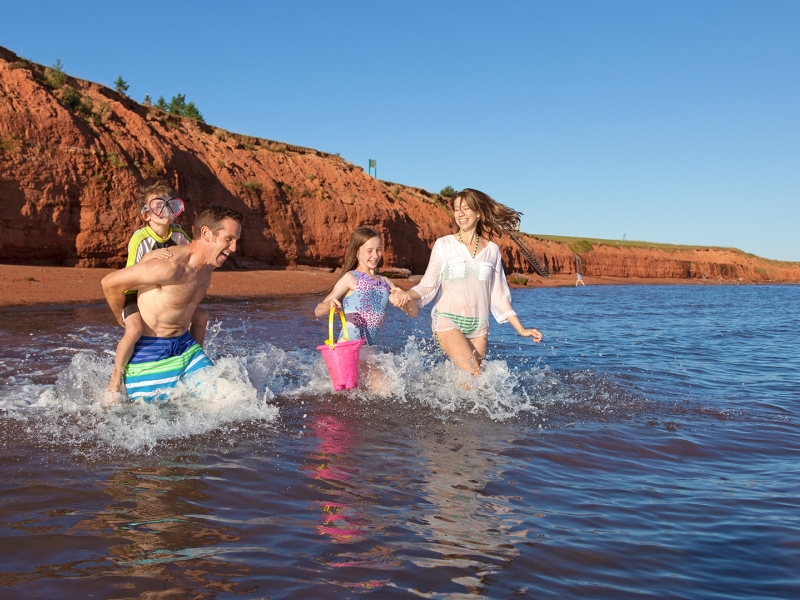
464	286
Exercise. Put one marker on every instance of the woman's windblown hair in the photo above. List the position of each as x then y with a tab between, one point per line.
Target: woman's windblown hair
494	218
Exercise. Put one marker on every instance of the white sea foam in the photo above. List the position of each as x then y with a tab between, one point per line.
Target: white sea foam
74	410
415	374
242	388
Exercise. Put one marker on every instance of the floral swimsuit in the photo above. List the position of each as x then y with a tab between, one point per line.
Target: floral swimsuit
365	308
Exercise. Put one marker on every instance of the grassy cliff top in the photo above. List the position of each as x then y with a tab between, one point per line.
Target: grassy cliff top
583	245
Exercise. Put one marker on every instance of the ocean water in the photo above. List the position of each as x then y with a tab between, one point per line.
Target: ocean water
648	447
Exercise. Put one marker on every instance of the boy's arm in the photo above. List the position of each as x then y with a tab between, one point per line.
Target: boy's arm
143	274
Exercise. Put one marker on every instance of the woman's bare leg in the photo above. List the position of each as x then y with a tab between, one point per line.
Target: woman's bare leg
467	354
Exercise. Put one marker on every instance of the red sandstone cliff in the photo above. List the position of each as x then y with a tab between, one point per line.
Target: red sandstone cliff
72	157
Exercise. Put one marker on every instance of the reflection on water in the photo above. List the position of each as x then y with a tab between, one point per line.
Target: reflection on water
155	518
339	519
347	512
461	529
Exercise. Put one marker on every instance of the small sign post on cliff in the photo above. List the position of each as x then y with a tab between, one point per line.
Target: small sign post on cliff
373	164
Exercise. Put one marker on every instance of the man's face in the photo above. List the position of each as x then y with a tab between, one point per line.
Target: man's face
223	243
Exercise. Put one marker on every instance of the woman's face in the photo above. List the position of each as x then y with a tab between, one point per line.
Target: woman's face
369	254
466	218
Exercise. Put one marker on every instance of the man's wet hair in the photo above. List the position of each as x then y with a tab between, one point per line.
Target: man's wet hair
213	216
154	190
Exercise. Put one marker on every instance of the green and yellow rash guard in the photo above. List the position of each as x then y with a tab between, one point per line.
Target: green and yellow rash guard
145	239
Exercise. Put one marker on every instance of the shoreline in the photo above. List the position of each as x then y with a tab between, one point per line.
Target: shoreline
25	285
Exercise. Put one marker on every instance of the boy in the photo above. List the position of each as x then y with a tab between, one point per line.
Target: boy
159	208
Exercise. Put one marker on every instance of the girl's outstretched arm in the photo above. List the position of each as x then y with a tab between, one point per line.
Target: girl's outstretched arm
344	287
402	298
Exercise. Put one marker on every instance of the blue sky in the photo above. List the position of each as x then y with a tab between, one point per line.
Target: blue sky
672	121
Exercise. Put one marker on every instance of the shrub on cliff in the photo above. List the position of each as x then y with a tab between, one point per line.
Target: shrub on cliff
54	76
448	192
73	100
22	63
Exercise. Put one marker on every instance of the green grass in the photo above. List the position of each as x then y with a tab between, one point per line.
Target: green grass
581	243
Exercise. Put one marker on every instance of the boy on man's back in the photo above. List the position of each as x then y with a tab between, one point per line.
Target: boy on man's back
159	208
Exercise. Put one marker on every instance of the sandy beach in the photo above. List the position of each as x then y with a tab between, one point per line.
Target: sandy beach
26	285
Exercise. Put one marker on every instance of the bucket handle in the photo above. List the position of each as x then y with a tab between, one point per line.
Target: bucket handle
330	341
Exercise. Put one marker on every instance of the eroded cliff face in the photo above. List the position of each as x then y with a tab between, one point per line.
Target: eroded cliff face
72	157
68	176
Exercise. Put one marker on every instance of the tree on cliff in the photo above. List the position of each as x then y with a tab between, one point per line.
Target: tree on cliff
179	106
121	85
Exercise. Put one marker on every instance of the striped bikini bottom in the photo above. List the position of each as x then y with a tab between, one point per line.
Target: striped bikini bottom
466	325
158	364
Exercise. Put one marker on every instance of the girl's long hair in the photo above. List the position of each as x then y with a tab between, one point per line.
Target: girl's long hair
360	237
493	218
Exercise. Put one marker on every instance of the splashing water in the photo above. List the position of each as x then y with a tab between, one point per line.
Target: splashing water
242	388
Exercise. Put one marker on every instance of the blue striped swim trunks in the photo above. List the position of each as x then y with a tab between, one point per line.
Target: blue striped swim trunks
158	364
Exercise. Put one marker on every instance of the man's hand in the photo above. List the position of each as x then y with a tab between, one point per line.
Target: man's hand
142	274
162	253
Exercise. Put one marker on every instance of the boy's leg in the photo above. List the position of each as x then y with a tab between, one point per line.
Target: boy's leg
133	331
467	354
199	325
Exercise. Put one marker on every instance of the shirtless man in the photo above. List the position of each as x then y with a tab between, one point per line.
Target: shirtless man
169	292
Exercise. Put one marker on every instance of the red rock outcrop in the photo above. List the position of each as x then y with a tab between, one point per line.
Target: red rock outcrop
72	157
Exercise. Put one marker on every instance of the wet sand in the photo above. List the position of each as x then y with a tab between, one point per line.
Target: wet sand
24	285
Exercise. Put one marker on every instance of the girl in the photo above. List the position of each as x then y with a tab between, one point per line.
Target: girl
360	292
465	276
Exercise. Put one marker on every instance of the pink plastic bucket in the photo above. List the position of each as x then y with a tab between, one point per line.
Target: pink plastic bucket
341	358
342	363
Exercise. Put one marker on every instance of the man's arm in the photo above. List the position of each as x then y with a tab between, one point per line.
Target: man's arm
142	274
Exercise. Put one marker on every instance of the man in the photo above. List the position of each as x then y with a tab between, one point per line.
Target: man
169	292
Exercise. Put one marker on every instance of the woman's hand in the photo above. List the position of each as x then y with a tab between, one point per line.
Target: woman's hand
532	333
399	298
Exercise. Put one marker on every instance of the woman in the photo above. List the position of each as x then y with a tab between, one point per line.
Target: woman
465	276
